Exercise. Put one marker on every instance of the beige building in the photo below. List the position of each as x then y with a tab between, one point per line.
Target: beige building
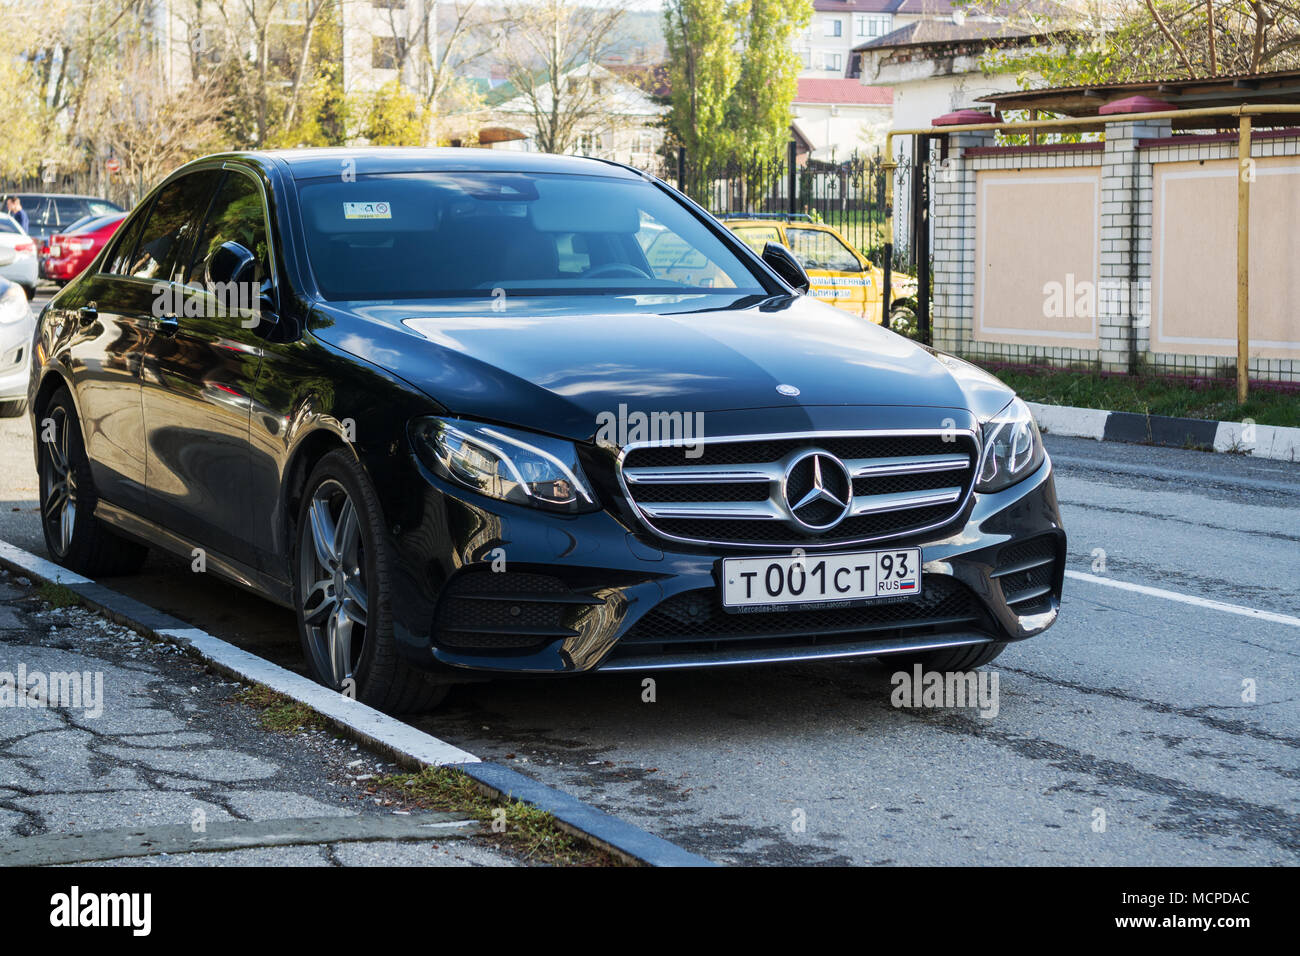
839	117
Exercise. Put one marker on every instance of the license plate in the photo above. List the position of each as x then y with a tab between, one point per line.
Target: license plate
821	578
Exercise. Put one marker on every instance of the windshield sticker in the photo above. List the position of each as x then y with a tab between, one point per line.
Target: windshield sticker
367	210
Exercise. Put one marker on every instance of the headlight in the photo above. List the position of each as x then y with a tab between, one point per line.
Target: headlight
13	305
504	463
1013	448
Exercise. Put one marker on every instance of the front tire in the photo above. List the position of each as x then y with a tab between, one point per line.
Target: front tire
13	409
342	592
75	538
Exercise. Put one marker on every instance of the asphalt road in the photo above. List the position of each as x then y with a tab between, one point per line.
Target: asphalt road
1122	735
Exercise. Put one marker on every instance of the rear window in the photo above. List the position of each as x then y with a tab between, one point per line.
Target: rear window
464	234
7	224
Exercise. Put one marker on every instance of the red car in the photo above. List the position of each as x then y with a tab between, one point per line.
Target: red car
70	252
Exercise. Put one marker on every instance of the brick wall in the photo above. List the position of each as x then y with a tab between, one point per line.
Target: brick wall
1123	313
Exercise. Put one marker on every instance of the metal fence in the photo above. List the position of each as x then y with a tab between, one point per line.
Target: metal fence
115	188
848	195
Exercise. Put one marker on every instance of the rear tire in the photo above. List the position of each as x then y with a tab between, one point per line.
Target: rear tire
13	409
75	538
948	659
341	594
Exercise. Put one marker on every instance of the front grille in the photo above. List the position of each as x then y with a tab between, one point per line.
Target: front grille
695	622
741	491
1026	570
507	611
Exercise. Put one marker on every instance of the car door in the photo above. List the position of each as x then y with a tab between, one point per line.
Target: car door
107	313
200	367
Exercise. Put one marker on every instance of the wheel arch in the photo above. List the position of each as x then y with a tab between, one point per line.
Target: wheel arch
310	448
52	380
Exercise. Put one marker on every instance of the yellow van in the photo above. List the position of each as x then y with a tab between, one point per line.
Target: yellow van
839	275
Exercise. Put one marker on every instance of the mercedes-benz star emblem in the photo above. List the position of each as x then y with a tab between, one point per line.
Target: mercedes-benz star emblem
818	491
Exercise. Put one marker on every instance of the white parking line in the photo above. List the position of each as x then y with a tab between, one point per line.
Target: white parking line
1270	616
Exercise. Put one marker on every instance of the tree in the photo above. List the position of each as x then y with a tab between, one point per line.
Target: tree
1161	39
704	68
150	129
759	109
551	51
391	116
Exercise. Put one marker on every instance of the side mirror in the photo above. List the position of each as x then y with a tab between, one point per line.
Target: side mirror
230	262
7	256
785	265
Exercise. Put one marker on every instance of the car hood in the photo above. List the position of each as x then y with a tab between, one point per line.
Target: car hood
541	365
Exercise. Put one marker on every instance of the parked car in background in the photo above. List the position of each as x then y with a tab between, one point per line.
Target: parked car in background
16	327
21	267
840	275
70	252
48	213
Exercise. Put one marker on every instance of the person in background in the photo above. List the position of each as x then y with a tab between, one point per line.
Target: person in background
14	206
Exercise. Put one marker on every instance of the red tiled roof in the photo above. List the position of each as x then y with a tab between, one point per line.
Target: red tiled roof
843	91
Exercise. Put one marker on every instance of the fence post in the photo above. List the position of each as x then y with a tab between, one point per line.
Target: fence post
681	169
1243	261
792	178
922	238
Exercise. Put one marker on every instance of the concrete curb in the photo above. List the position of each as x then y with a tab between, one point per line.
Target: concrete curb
1274	442
375	729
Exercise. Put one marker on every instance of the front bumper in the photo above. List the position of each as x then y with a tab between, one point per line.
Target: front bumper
485	586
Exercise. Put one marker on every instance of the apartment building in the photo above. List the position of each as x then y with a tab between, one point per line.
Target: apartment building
840	25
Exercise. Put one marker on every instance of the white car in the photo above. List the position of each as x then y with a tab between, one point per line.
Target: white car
17	330
22	268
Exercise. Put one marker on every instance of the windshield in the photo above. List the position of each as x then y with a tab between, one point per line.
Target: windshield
466	234
818	249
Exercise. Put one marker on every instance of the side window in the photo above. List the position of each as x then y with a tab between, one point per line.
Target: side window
236	215
118	261
40	211
168	232
818	249
756	237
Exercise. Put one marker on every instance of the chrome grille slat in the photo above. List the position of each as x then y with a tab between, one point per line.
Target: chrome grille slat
715	510
879	504
739	491
691	475
920	464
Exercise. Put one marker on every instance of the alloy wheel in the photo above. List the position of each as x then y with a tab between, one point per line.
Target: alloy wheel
331	583
59	484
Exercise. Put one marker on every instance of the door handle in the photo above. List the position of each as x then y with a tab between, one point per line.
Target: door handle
167	324
88	313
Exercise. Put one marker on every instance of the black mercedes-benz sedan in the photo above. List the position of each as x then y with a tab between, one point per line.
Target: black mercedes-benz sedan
472	412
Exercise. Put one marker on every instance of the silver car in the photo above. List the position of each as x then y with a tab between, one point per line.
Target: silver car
17	328
22	266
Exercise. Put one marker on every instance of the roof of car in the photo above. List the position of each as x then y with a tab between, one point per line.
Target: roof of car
329	161
20	195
